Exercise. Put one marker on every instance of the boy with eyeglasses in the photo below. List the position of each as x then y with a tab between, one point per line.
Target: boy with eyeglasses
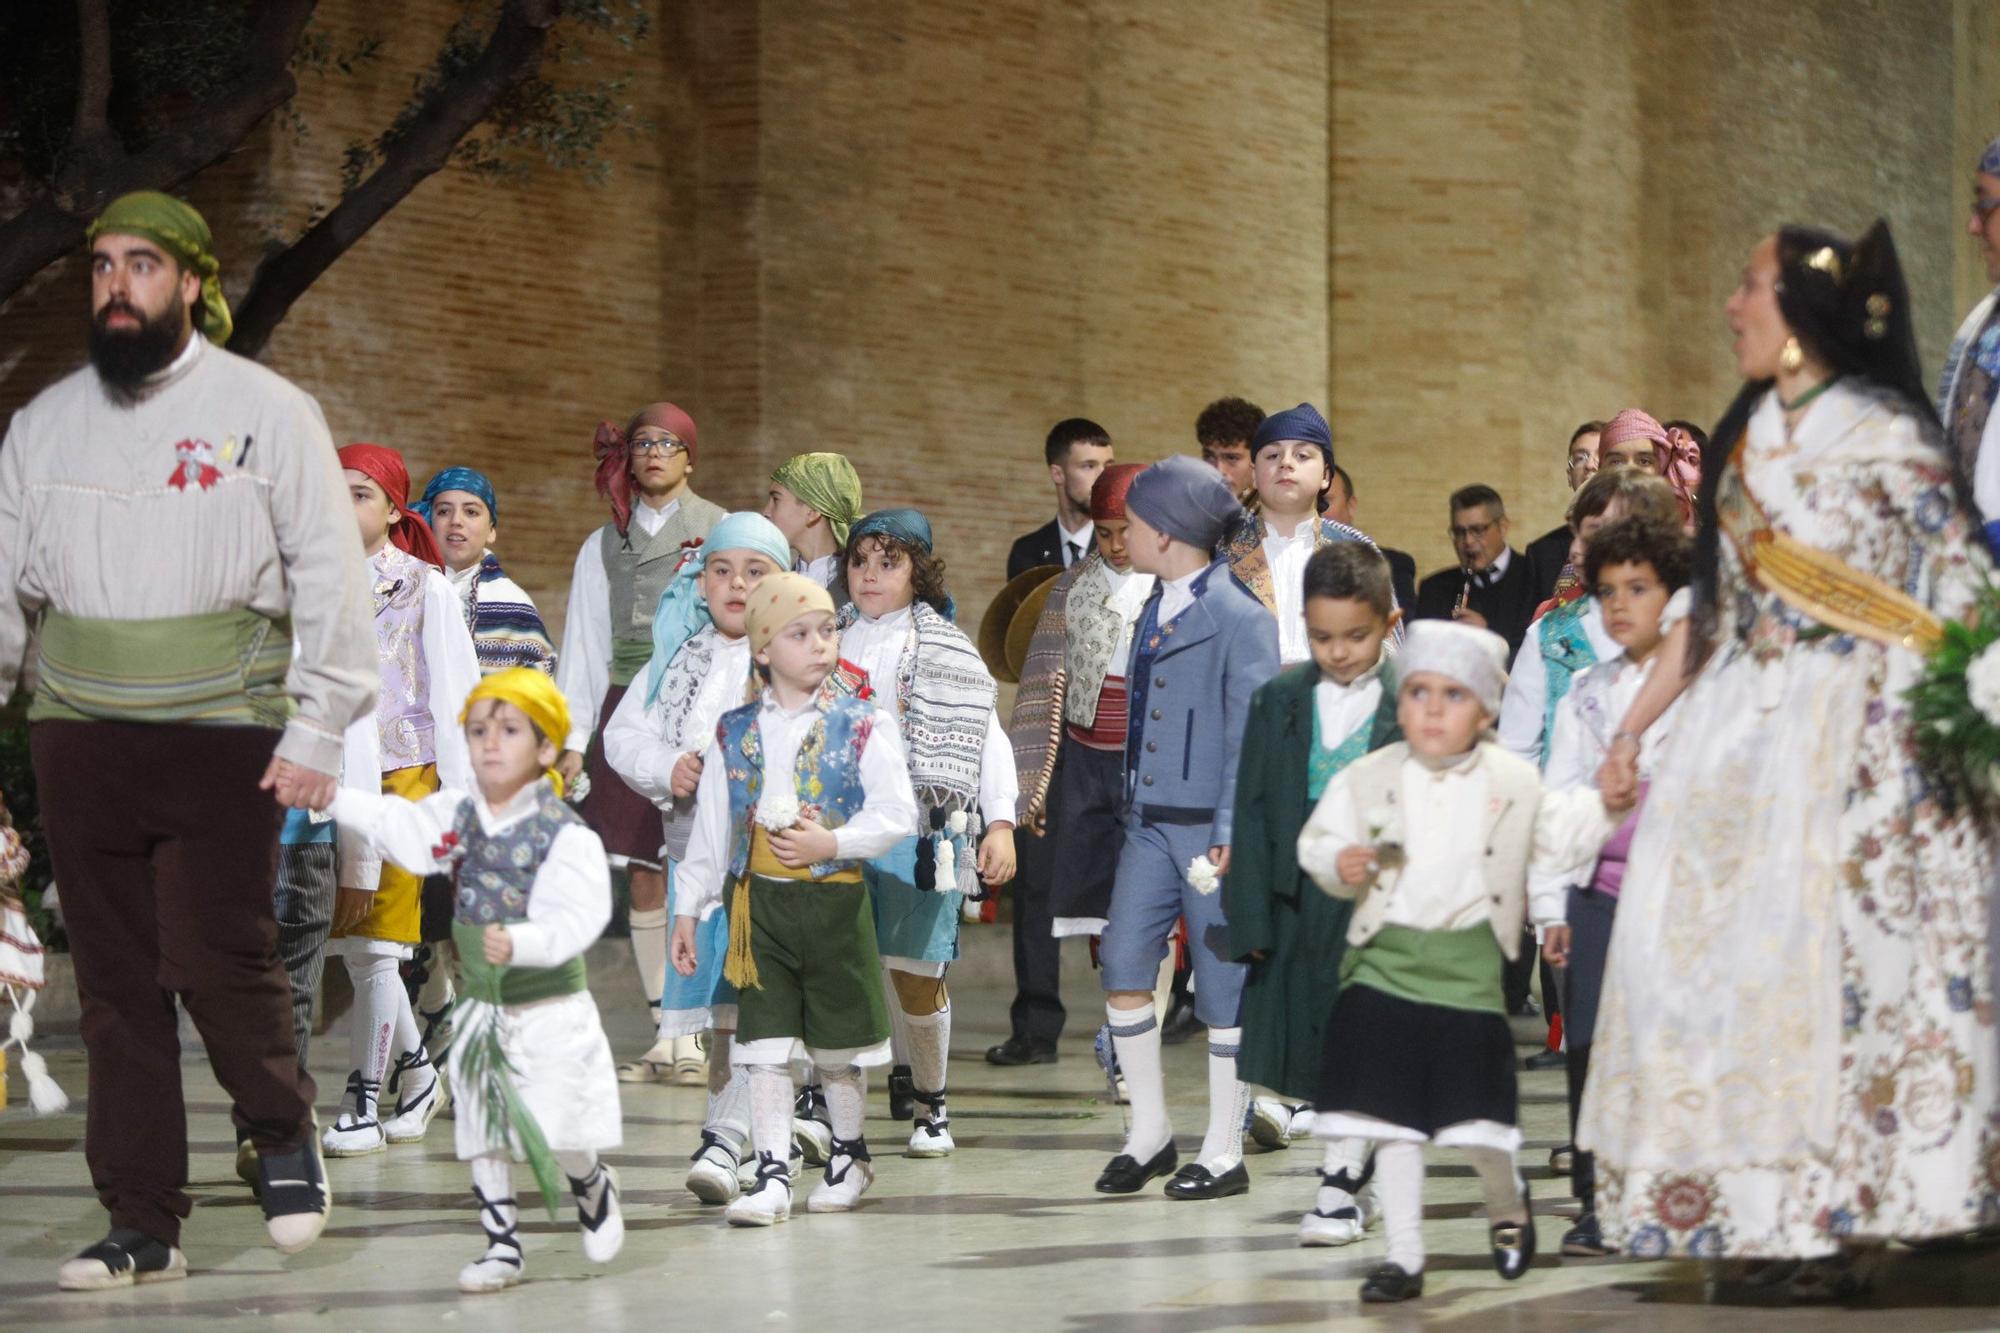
644	472
1492	587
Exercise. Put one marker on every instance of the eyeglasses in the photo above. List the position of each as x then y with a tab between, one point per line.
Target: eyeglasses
665	445
1471	531
1982	207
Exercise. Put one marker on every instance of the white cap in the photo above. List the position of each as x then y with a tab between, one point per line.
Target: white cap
1475	658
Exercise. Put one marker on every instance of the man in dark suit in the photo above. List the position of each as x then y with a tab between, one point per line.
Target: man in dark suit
1491	577
1548	553
1341	508
1076	451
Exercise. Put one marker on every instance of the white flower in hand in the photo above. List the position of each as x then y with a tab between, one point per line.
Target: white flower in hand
1202	875
1982	683
1385	832
778	808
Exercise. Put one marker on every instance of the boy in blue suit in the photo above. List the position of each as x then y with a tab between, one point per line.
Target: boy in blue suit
1201	648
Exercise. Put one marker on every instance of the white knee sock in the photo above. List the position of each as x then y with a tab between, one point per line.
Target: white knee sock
770	1109
728	1095
493	1177
582	1169
930	1046
899	1022
378	995
415	1080
845	1090
1228	1102
649	951
1399	1179
1344	1160
1501	1183
1135	1035
438	988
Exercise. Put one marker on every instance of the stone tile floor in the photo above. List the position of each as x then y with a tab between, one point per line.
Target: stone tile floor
1006	1234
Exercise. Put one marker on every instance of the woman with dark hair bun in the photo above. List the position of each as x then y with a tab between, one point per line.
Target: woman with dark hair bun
1796	1056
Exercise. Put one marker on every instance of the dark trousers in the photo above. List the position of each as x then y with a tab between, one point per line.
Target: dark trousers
1516	979
303	904
167	853
1590	916
1037	1012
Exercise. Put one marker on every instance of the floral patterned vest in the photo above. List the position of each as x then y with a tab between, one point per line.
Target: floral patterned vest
495	873
1566	649
827	775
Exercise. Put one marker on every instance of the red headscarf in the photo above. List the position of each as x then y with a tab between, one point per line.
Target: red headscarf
384	467
613	448
1107	493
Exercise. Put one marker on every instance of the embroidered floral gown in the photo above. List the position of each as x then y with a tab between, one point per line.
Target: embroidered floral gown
1797	1040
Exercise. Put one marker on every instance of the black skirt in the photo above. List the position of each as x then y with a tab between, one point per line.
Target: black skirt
1421	1066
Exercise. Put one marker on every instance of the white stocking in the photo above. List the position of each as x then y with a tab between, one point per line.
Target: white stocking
1228	1102
770	1110
845	1090
728	1094
381	1007
1399	1180
1135	1035
930	1044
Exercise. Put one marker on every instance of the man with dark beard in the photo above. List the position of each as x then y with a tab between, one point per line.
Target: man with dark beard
172	523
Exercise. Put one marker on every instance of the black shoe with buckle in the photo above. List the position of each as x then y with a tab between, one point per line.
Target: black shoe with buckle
1019	1050
1195	1181
1125	1175
1514	1242
1391	1282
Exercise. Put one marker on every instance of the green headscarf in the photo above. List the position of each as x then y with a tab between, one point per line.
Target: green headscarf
827	482
176	228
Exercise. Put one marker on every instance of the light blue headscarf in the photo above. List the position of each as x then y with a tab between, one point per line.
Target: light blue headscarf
682	611
458	479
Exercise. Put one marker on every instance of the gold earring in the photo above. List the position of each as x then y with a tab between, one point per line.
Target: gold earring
1793	356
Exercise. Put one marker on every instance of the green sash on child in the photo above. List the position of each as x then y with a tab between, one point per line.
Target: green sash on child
482	1062
1458	969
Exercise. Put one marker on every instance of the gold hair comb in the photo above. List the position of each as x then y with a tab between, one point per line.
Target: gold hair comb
1827	260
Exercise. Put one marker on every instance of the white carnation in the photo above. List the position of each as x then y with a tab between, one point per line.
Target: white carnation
1202	876
1982	683
778	809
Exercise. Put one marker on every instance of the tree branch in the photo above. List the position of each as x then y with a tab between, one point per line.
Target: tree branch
512	53
53	223
90	140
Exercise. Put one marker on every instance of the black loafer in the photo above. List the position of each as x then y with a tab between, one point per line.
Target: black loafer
1585	1240
1514	1242
1127	1176
1194	1181
1546	1059
1390	1283
1019	1050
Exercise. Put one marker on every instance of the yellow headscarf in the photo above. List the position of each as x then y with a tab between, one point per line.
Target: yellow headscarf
778	600
534	694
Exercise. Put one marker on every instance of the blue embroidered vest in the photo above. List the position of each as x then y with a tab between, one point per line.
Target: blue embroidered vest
496	872
1327	761
1566	650
828	772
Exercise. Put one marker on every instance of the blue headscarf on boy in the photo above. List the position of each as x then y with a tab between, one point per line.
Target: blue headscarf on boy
682	611
904	525
457	479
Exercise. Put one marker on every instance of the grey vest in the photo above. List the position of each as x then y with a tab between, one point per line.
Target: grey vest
638	569
496	872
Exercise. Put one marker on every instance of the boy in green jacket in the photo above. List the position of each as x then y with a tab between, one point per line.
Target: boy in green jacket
1310	722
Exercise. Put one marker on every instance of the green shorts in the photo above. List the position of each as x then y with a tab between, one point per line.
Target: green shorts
819	974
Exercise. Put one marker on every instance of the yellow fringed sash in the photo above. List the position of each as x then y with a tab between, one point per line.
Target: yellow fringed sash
1819	584
740	965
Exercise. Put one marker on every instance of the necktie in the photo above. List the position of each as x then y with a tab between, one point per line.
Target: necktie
1075	553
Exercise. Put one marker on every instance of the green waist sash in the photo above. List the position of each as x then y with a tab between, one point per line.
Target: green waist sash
511	985
1458	969
628	659
225	667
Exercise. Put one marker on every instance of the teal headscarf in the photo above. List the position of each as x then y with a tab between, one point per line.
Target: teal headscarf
682	612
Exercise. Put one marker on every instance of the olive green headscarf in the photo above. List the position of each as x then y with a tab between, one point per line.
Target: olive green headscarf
176	228
827	482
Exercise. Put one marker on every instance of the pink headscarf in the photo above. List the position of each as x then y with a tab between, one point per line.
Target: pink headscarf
1675	452
613	450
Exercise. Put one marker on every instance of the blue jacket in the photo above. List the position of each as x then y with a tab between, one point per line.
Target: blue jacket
1191	701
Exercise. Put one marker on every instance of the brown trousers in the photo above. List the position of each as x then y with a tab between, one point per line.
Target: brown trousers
165	853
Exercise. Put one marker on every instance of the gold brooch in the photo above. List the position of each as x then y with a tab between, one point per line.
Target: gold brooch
1827	260
1877	325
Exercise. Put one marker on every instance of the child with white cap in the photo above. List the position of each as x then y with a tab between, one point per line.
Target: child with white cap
1433	837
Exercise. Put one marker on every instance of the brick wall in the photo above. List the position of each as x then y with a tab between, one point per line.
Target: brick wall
921	232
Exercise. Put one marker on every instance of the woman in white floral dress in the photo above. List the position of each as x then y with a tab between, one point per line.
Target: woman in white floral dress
1796	1056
